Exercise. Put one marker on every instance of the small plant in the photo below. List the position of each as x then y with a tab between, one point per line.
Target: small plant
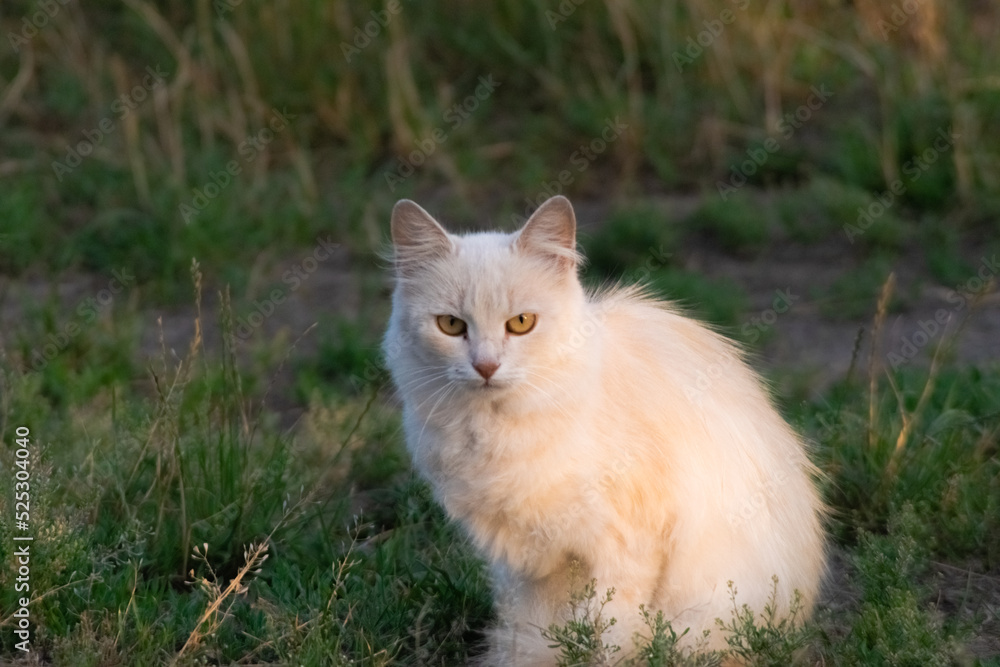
579	639
893	627
772	638
663	649
221	600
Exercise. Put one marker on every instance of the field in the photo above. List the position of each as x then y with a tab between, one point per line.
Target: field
198	430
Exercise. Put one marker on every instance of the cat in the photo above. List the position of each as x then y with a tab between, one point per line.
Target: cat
581	436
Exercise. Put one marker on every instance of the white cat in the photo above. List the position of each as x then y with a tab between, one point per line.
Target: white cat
604	429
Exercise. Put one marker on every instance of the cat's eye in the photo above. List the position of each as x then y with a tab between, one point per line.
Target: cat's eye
451	325
521	324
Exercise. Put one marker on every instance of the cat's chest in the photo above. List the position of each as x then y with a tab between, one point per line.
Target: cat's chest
480	448
518	486
523	471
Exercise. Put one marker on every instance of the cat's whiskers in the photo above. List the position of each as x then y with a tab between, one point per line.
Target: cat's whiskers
421	381
433	395
445	391
418	369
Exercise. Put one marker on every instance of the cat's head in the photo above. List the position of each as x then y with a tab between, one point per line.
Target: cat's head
484	312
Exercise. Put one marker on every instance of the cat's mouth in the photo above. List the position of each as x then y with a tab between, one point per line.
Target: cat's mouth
489	385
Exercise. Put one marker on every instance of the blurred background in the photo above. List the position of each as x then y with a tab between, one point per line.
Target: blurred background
191	179
761	145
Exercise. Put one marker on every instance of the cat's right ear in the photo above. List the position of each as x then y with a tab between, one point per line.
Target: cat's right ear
416	236
551	232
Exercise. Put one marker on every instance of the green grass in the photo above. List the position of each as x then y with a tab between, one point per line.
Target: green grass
717	301
141	457
352	121
740	223
637	239
643	244
852	295
148	489
147	503
347	361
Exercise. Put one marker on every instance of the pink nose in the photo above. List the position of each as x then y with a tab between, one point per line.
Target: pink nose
486	368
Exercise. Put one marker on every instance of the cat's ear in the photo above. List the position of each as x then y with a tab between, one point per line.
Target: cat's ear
551	231
416	236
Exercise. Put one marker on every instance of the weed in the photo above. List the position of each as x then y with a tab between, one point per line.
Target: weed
893	627
769	639
579	640
663	648
220	600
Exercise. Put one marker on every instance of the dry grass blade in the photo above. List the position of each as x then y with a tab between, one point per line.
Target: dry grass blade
254	556
14	93
876	345
196	278
35	599
911	419
133	133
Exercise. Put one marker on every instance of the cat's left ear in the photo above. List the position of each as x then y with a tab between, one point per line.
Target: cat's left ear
551	231
416	236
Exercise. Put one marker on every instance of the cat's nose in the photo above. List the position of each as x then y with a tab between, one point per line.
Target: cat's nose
486	368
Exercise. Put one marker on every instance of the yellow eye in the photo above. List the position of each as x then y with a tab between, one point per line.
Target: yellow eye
451	325
521	324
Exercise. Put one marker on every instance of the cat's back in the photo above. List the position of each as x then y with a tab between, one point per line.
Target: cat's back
674	375
651	336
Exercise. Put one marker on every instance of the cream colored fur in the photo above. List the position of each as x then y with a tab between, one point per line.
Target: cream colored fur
617	433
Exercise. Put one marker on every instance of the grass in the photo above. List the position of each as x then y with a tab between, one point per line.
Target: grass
181	522
140	458
190	498
413	94
738	223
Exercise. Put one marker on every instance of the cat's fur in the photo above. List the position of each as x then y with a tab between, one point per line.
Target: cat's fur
618	434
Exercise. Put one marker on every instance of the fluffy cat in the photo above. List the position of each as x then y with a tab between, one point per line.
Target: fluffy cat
603	430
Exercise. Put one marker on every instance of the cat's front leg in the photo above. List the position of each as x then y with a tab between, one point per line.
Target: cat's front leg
527	606
632	568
